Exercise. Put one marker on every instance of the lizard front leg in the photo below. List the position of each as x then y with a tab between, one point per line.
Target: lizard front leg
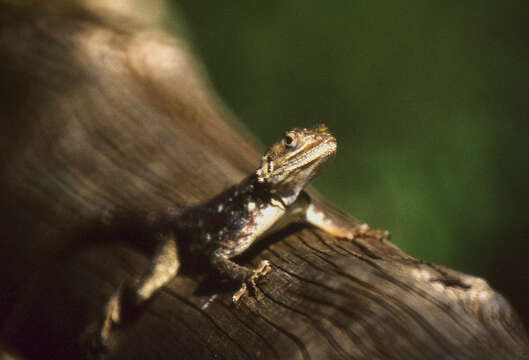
128	300
318	213
221	262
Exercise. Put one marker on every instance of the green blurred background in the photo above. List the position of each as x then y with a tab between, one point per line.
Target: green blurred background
428	100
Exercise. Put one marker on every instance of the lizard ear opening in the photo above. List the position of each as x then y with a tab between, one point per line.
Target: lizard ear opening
267	167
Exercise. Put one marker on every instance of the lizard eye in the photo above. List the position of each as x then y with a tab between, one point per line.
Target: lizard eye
290	141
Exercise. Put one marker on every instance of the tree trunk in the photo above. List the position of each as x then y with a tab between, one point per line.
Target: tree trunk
105	112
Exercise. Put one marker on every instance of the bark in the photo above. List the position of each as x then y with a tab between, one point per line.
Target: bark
106	112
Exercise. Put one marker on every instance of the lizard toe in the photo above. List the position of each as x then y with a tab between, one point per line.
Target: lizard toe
250	284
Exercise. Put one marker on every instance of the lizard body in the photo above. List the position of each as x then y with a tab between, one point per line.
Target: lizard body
228	224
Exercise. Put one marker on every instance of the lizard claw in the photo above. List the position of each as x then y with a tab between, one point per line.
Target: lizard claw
243	290
263	269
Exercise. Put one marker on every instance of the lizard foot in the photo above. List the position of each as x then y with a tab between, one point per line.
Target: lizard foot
263	269
111	319
118	310
97	338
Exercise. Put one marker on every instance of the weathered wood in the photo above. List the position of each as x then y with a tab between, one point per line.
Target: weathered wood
101	113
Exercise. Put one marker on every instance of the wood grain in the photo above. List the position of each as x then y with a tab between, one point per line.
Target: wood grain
101	113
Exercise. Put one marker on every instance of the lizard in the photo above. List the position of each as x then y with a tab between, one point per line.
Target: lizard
225	226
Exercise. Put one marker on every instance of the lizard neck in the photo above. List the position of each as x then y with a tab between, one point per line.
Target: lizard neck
278	196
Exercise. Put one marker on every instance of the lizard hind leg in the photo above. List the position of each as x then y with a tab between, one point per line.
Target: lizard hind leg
127	301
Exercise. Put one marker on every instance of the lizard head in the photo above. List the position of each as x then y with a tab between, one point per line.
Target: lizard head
295	160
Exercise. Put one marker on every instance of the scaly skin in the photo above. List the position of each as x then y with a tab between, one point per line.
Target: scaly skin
227	225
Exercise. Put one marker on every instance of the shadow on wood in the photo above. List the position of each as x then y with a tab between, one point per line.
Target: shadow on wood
109	112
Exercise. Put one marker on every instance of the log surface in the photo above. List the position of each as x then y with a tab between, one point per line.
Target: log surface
100	113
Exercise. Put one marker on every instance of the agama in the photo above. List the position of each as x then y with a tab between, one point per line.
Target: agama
225	226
